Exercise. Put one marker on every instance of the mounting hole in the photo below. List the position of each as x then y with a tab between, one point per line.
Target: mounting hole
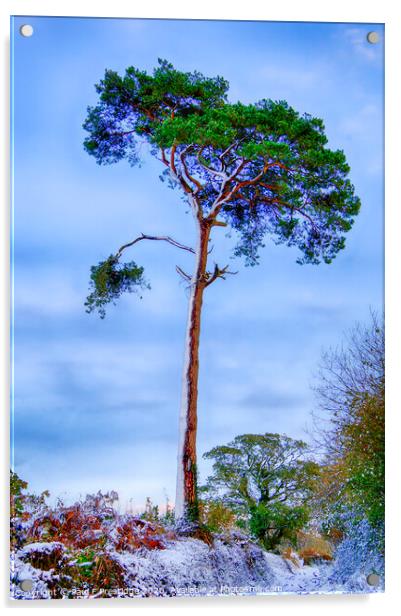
373	37
26	30
26	585
373	579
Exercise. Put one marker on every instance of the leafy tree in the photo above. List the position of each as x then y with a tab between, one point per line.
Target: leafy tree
262	170
22	502
23	506
266	479
350	421
17	496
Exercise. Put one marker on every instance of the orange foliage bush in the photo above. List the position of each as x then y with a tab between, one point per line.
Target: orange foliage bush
77	528
313	547
335	535
136	533
309	555
73	527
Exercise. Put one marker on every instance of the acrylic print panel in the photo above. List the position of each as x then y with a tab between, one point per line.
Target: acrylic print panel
231	312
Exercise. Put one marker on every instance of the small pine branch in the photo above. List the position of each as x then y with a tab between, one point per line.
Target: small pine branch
109	279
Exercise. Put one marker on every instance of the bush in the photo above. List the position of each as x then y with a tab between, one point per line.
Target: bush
216	516
272	523
361	552
24	507
75	549
136	533
96	570
44	556
313	548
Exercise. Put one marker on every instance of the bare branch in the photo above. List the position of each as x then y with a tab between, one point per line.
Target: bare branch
212	277
164	158
123	133
228	150
166	238
172	159
198	185
210	169
176	174
179	177
224	197
250	182
183	274
237	170
218	273
221	198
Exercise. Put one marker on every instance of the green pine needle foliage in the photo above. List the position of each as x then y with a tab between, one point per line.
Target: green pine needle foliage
109	279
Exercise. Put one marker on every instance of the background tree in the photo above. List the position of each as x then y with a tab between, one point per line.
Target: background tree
266	479
23	506
349	422
261	169
17	496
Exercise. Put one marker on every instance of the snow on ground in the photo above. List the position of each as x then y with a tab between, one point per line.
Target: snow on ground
190	567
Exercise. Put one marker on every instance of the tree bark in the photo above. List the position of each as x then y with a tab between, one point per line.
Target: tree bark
186	495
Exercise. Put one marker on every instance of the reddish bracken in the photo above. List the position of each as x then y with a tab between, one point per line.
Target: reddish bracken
73	527
136	533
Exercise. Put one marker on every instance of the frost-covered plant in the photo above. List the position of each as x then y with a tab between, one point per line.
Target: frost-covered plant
24	508
350	422
361	552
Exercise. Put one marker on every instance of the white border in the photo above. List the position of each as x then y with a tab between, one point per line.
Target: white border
385	11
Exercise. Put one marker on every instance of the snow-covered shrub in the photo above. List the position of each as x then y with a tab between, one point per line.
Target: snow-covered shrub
360	553
132	533
24	508
73	526
43	556
90	550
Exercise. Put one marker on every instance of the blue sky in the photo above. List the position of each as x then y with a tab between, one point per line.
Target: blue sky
96	402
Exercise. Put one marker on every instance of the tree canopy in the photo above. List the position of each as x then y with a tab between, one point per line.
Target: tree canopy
266	479
263	168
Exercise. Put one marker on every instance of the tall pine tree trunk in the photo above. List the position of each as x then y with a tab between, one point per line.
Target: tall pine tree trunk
186	495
